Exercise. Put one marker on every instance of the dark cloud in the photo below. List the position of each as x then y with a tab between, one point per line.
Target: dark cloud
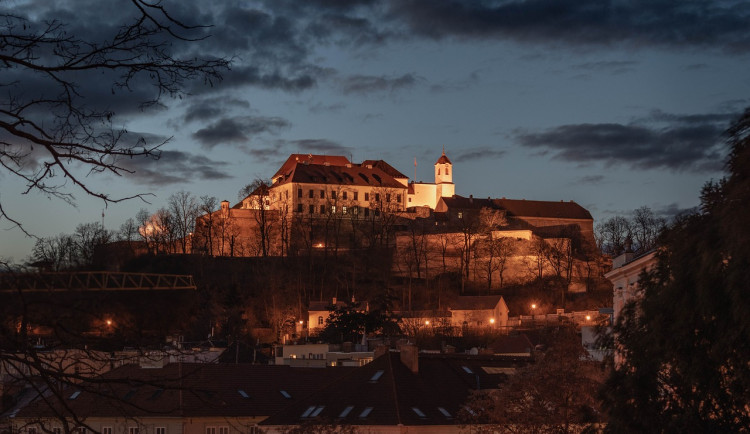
271	153
175	167
237	130
323	146
614	67
330	108
364	84
483	153
590	179
211	108
672	210
662	141
637	23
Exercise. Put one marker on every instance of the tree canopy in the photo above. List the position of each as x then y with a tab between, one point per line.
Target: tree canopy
686	340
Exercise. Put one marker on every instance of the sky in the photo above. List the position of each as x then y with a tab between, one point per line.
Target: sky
612	104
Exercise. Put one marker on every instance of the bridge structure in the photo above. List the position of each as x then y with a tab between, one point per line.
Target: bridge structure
93	281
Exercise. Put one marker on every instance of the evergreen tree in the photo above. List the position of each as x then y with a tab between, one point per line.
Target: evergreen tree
686	341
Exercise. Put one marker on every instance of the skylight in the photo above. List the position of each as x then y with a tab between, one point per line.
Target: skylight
313	411
445	412
376	376
75	394
285	394
243	393
365	412
467	370
346	411
419	412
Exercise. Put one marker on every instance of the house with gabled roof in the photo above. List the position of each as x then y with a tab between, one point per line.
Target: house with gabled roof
479	311
400	391
179	398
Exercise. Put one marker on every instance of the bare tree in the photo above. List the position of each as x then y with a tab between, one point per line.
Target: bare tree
56	136
612	233
645	227
184	209
205	225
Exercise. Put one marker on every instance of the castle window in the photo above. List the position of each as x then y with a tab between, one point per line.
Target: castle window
367	212
398	198
333	194
355	210
343	195
320	320
438	171
286	194
322	194
367	197
311	209
447	171
356	195
387	197
377	197
322	209
299	207
460	215
333	209
343	210
377	212
310	194
299	192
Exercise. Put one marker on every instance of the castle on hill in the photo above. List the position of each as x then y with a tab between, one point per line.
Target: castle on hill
322	200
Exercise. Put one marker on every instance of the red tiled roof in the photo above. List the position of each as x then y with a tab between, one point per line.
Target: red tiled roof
341	175
522	208
294	159
385	167
443	159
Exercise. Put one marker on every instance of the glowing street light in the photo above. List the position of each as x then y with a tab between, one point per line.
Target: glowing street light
492	320
109	323
427	322
588	317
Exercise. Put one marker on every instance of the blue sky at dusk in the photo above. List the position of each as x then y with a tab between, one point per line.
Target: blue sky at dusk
612	104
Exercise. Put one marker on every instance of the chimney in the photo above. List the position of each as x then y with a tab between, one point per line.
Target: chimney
380	350
410	357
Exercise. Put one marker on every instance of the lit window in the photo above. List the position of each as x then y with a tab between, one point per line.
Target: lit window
460	215
333	209
320	320
343	210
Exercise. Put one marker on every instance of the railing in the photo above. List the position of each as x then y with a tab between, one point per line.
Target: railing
94	281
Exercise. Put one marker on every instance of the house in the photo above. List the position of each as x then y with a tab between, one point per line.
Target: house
400	391
479	311
179	398
625	274
314	355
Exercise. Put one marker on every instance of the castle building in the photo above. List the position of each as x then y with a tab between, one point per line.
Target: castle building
429	194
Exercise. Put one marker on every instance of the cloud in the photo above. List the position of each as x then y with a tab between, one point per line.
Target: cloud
364	84
323	146
211	108
482	153
612	66
174	167
662	141
636	23
237	129
590	179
